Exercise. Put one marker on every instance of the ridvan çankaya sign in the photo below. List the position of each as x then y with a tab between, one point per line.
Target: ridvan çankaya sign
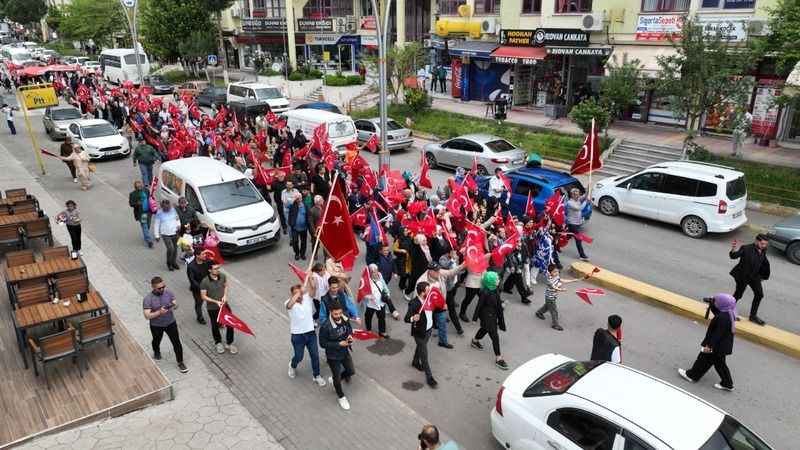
542	37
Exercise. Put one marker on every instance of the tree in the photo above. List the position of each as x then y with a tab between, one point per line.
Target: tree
784	25
620	89
97	20
583	113
705	73
200	43
401	63
24	11
167	23
54	18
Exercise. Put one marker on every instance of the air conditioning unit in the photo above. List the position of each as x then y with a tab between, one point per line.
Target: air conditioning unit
489	25
758	27
592	22
351	24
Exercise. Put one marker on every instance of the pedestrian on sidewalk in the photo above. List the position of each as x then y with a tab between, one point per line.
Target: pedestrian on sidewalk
337	294
66	150
554	285
443	78
214	291
434	78
167	225
336	337
301	324
298	223
752	268
717	344
574	216
429	439
145	156
196	272
80	160
421	320
139	201
9	112
159	305
376	303
605	345
490	311
72	218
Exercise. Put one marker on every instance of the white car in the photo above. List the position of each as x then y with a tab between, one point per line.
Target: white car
555	403
98	138
91	65
262	93
699	197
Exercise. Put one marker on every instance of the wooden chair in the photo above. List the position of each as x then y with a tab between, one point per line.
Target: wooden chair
15	193
5	210
39	228
25	206
96	329
10	236
19	258
50	253
52	348
32	292
72	284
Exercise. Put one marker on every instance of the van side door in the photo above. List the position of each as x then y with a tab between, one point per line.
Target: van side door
640	195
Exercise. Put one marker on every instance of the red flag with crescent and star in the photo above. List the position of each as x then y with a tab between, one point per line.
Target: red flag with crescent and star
372	143
588	158
501	251
364	287
337	231
530	208
424	177
227	319
474	255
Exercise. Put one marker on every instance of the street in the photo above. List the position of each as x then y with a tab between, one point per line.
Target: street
657	342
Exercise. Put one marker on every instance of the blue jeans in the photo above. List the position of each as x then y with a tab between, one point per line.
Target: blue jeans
11	127
144	221
147	174
440	319
306	340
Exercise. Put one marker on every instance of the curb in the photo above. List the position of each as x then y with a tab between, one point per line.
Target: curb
772	208
768	336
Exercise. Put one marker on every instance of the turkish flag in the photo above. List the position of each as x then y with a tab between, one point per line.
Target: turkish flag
348	261
446	234
226	318
469	182
359	217
364	335
530	208
364	286
299	272
372	143
424	178
429	225
337	231
501	251
271	117
554	208
588	158
510	227
433	301
583	238
474	170
458	199
474	255
584	293
321	133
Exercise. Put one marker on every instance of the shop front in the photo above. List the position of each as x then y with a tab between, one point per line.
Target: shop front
324	48
473	74
262	43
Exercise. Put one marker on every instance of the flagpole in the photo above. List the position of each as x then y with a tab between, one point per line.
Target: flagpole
319	228
591	156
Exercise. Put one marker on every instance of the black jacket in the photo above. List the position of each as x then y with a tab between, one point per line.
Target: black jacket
419	328
439	247
603	345
186	215
330	336
196	272
719	335
752	266
490	311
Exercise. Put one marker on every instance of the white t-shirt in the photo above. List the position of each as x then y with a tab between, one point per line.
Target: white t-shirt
301	316
496	187
322	284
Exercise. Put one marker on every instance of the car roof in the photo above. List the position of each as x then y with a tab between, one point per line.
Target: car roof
62	107
553	177
253	84
698	170
481	138
319	115
673	415
202	170
377	120
316	105
87	122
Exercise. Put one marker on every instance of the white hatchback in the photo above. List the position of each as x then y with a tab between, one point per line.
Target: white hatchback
699	197
98	138
555	403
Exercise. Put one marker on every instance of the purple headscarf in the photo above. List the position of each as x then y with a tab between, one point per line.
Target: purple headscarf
725	303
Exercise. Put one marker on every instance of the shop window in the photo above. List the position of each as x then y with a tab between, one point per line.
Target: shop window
487	6
328	8
573	6
665	5
729	4
531	6
450	7
366	8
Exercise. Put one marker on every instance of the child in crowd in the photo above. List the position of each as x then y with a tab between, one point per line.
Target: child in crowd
554	285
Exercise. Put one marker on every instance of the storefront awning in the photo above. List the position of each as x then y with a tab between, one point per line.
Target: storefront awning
646	54
475	49
518	55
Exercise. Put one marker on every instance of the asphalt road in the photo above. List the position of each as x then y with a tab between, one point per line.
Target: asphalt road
766	397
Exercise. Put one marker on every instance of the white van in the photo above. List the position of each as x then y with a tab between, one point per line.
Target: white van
259	92
119	65
699	197
341	129
17	55
225	200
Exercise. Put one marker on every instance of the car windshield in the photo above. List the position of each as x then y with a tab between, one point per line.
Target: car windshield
392	126
340	129
65	114
131	59
228	195
731	435
736	189
558	380
157	79
99	130
268	93
20	56
500	146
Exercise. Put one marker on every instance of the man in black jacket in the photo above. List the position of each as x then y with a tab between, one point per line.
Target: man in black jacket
336	336
196	271
753	266
421	320
606	346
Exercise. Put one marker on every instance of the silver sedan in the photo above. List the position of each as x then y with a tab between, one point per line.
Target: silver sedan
490	151
398	137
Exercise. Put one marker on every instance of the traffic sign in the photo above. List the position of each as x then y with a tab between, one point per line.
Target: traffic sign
129	3
326	56
39	96
212	60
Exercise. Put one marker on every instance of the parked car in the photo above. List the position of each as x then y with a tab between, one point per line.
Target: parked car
260	92
491	152
48	55
785	236
191	88
553	402
57	119
330	107
212	95
699	197
91	65
541	183
99	139
75	60
398	137
159	84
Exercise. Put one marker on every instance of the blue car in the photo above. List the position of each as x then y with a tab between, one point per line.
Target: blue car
330	107
542	182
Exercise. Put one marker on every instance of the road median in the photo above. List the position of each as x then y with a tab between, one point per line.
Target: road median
768	336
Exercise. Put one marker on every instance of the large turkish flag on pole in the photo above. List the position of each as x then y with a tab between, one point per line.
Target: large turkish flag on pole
588	158
337	231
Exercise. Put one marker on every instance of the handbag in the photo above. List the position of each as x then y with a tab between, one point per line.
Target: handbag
92	168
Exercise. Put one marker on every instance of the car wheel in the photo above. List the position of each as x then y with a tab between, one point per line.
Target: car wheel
694	227
482	171
608	206
432	163
793	252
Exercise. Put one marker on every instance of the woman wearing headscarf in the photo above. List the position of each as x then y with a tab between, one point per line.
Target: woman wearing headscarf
80	160
490	312
717	344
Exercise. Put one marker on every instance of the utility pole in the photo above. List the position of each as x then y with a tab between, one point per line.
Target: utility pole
382	31
130	7
222	54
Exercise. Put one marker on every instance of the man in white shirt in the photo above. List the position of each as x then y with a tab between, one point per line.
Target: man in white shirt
167	225
301	322
496	189
9	112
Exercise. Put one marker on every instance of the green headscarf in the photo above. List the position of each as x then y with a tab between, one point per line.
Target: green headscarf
489	281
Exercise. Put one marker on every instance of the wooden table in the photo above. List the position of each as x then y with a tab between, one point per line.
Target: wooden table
19	219
12	200
42	269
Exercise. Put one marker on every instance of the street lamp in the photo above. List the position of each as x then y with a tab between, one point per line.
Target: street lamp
130	7
382	32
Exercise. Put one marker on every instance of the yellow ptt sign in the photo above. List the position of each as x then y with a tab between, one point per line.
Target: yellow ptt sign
39	96
326	56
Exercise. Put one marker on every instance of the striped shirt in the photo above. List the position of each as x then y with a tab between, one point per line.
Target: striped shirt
551	291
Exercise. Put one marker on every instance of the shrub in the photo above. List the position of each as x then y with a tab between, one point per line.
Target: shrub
296	76
583	113
417	100
175	76
341	80
268	72
354	80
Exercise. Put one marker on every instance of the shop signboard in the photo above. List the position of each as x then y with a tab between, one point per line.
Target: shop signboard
514	60
264	24
731	28
369	40
765	111
544	37
305	25
658	28
579	51
367	23
322	39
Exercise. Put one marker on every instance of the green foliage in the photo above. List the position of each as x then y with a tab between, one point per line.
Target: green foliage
784	25
54	17
92	19
401	63
24	11
583	113
176	76
342	80
417	100
200	44
215	6
268	72
63	49
166	24
619	90
305	73
705	73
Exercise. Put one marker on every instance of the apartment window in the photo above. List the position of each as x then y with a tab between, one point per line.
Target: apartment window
450	7
366	8
531	6
274	8
487	6
573	6
729	4
665	5
245	7
328	8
